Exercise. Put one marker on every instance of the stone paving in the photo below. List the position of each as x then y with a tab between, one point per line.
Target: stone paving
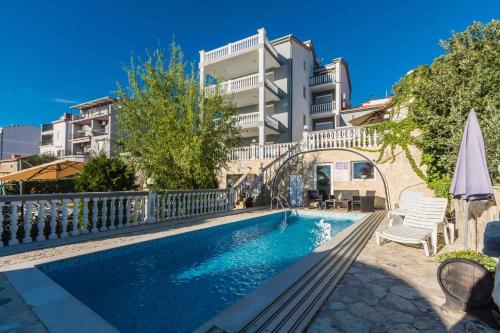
390	288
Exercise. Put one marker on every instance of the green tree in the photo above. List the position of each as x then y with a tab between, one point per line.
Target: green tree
103	174
174	132
439	98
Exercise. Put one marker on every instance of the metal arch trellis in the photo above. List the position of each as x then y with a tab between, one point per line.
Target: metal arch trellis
384	180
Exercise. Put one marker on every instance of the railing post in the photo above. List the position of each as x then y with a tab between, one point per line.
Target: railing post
85	216
53	219
127	211
120	212
95	209
64	223
27	222
13	227
112	214
74	223
230	200
151	207
104	213
40	222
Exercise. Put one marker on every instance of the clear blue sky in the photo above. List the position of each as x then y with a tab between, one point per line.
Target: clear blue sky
56	53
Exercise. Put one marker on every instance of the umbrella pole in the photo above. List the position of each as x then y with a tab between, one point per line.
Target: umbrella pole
466	225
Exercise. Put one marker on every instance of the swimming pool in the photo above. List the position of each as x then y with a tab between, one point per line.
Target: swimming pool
176	283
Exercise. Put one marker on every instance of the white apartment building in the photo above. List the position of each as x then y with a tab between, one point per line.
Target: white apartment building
279	86
79	136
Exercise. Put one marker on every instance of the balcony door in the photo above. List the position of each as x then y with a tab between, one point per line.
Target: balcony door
323	179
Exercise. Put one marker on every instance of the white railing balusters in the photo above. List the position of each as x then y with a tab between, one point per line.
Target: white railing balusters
13	227
53	219
40	221
112	214
120	213
64	221
95	210
85	216
104	213
76	212
127	211
27	221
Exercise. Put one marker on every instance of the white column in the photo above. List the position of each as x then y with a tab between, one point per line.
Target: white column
13	224
74	223
120	213
40	223
64	232
262	88
112	214
202	69
53	219
85	216
95	209
127	211
104	213
27	222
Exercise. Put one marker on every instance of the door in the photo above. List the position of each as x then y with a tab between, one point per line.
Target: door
323	179
296	191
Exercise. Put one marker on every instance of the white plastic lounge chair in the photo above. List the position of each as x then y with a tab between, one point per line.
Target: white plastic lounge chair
405	200
420	224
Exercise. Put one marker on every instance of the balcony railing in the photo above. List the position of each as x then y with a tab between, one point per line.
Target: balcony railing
256	152
231	48
251	119
321	79
89	115
349	137
235	85
322	108
44	217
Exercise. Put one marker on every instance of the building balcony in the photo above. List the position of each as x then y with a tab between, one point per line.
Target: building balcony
87	116
239	58
245	90
47	143
249	124
100	132
319	110
322	82
47	128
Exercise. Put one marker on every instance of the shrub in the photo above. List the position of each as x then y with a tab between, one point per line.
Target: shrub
103	174
487	262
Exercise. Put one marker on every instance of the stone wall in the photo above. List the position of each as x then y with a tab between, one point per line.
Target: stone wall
399	175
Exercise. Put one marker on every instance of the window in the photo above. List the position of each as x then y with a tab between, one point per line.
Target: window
303	120
304	92
362	171
304	65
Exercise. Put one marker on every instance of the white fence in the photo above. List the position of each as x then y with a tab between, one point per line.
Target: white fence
322	108
349	137
256	152
321	79
231	48
36	218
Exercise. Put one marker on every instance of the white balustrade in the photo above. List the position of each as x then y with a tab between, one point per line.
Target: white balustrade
30	212
235	85
322	108
323	78
231	48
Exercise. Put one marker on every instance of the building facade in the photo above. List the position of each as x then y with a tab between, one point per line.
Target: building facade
82	135
19	141
278	86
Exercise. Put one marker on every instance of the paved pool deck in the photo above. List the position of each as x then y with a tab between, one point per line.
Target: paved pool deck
389	288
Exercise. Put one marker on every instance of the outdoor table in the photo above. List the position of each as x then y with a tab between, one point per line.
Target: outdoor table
335	202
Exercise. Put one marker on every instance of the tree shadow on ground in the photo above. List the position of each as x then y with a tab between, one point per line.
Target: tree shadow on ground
371	300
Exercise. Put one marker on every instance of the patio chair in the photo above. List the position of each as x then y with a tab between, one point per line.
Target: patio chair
420	224
313	196
405	199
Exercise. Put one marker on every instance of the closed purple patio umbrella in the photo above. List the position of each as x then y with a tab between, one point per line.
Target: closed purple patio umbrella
471	180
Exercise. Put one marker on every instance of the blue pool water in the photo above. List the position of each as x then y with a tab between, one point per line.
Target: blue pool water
177	283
